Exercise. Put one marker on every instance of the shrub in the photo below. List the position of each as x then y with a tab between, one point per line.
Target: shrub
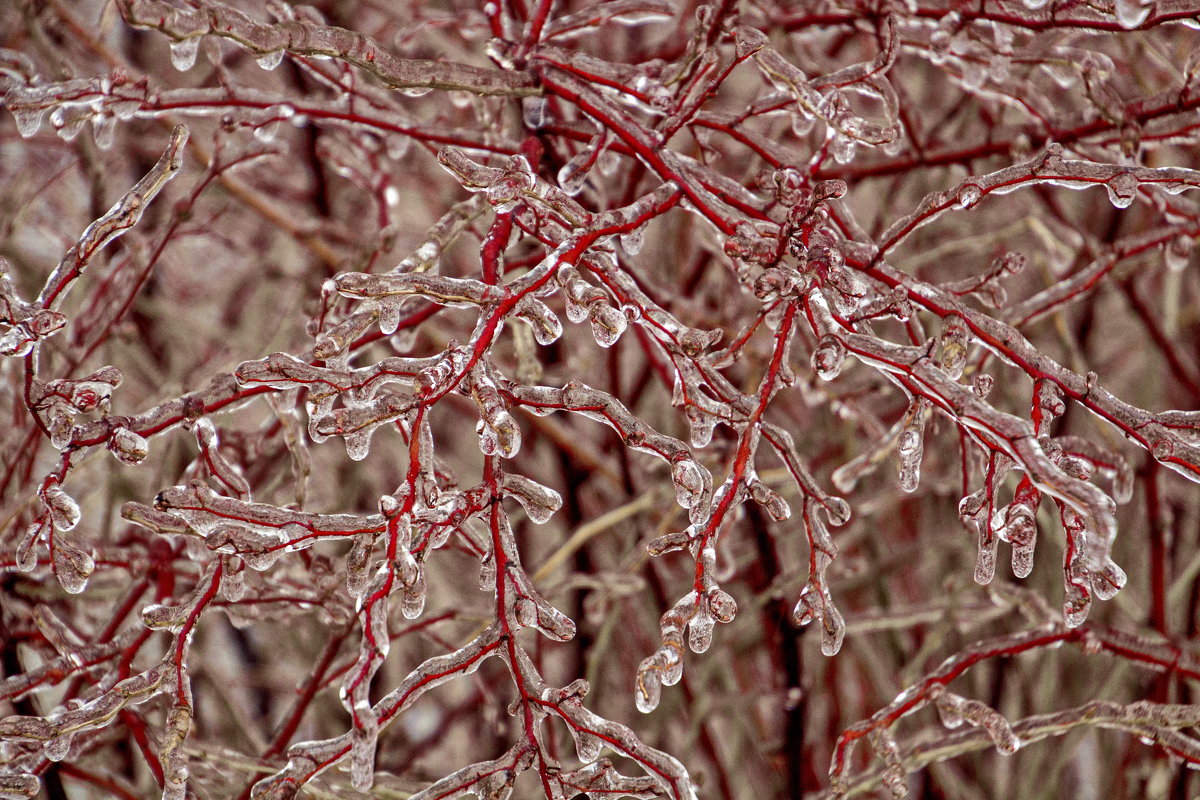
764	315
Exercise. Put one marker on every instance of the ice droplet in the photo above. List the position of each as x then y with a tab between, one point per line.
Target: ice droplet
358	444
833	631
1178	252
183	53
28	120
389	315
104	129
632	241
271	60
56	748
1122	188
533	112
586	745
1108	580
828	357
701	426
649	688
539	502
843	148
1132	13
689	482
968	195
1076	606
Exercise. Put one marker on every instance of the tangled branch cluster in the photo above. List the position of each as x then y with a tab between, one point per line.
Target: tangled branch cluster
842	279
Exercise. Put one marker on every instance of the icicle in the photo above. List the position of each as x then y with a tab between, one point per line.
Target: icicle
911	445
700	630
363	740
884	745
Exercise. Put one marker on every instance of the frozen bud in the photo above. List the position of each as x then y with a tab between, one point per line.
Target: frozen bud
774	283
608	324
16	342
722	605
128	447
789	186
1049	398
72	567
829	190
982	384
690	483
669	543
64	511
504	193
43	322
19	786
747	41
1021	532
954	340
771	500
694	342
358	564
1009	264
828	357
